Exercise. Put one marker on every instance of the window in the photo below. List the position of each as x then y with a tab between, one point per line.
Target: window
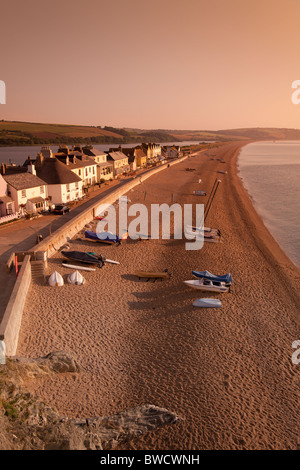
79	172
42	189
68	187
23	192
76	185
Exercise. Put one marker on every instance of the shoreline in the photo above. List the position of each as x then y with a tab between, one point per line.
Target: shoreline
227	371
258	208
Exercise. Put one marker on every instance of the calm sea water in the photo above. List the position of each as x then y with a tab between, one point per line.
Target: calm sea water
271	174
18	155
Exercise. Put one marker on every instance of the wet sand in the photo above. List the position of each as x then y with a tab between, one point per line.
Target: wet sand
228	372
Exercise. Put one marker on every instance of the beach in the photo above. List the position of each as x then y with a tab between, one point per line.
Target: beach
227	372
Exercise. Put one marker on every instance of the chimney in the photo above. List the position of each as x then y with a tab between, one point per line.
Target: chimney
31	169
120	148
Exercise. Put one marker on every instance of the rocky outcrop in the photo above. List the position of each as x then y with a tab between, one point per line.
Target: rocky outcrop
26	423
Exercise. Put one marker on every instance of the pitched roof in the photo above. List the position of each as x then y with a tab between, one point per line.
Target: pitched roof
116	155
92	152
23	181
55	172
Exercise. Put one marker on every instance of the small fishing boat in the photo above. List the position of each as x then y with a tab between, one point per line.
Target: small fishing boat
56	279
226	278
76	278
82	257
207	285
199	193
207	303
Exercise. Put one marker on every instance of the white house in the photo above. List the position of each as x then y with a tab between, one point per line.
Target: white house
105	169
82	165
63	184
7	204
28	192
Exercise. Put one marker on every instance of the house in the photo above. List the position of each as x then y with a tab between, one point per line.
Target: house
141	158
152	151
130	153
120	162
82	165
28	191
105	169
63	184
7	204
136	156
170	151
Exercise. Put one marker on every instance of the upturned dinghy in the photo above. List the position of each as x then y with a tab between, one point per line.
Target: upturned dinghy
56	279
207	303
226	278
76	278
207	285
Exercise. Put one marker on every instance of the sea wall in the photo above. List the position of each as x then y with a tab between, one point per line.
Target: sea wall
11	322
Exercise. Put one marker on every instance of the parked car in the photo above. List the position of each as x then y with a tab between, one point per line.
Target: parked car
60	209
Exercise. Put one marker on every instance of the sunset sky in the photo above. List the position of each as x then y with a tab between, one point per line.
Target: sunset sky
169	64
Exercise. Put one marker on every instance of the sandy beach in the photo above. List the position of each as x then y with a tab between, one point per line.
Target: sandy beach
228	372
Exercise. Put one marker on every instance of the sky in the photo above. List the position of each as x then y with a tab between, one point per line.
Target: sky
155	64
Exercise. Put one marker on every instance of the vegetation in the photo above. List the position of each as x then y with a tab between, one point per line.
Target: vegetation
13	133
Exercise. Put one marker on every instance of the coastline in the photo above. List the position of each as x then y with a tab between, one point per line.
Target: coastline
229	373
263	208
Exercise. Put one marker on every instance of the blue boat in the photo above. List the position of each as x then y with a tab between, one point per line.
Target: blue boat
103	237
227	278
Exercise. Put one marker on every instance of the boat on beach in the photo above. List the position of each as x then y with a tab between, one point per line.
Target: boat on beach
199	193
56	279
85	258
207	303
207	285
226	278
76	278
210	230
103	237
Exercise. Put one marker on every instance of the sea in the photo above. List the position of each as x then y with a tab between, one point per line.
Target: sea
270	172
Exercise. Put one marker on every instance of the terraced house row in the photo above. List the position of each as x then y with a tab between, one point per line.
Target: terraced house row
64	176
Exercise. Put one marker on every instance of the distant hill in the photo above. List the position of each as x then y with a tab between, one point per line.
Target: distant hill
29	133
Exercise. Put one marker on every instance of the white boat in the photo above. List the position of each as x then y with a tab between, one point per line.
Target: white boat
207	303
203	229
56	279
76	278
207	285
211	237
73	266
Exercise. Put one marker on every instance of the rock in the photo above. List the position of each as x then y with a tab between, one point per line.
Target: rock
57	362
28	424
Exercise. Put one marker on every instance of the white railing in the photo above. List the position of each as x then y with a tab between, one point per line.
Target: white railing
8	218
